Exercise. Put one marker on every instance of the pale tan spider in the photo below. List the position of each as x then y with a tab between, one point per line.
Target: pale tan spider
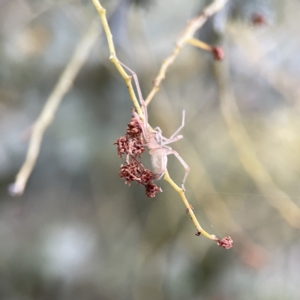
155	141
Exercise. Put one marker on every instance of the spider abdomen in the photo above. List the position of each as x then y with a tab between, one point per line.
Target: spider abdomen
159	161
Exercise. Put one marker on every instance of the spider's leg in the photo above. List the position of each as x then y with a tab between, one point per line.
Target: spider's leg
181	126
185	165
159	137
162	141
144	107
167	147
172	139
157	129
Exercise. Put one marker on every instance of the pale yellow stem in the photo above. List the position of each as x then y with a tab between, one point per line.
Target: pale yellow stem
113	57
185	37
199	44
188	207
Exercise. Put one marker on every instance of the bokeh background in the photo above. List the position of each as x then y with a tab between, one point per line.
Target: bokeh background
78	232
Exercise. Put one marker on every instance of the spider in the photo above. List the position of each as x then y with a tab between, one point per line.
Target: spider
155	141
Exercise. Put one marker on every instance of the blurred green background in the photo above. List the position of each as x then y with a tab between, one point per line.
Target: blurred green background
78	232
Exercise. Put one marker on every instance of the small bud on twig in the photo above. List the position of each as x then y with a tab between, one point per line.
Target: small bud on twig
218	53
258	19
225	242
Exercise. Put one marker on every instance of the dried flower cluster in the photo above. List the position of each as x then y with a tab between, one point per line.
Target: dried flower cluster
218	53
225	242
132	145
259	19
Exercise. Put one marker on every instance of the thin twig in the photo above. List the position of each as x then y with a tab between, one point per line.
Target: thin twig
188	33
63	85
185	37
113	57
188	207
199	44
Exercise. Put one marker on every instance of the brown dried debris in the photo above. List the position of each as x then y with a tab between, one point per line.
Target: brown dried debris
225	242
152	189
134	129
258	19
218	53
123	146
132	145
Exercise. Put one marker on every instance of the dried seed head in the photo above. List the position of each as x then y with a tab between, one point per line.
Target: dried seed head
218	53
152	189
258	19
136	147
132	145
147	176
135	171
134	129
122	145
125	172
225	242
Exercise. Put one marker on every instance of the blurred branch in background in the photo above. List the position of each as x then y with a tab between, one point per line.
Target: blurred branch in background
280	80
63	85
246	151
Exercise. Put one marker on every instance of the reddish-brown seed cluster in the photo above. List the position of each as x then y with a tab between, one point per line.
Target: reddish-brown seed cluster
258	19
218	53
132	145
225	242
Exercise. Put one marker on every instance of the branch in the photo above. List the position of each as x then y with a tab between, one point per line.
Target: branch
113	57
63	85
185	37
189	208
